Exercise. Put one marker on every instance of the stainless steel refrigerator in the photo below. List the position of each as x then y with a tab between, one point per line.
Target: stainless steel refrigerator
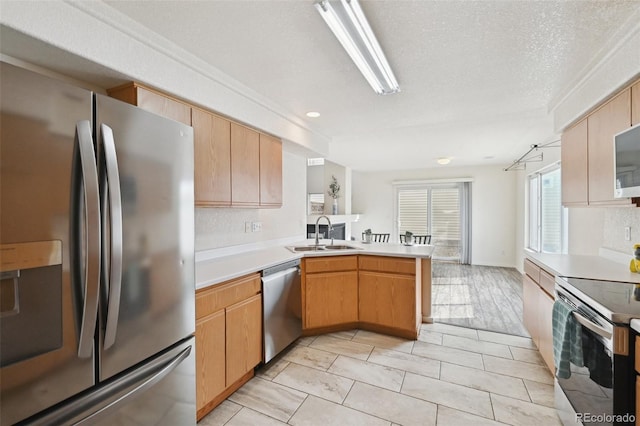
97	259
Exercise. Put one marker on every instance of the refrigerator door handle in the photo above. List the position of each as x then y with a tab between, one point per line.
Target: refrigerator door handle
90	408
88	180
115	215
161	370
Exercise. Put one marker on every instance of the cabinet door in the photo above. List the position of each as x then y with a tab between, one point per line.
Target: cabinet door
574	165
245	166
612	118
530	292
387	299
243	337
212	174
210	358
545	330
270	171
331	299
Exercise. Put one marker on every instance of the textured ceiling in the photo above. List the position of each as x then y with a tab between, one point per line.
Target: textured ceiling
478	78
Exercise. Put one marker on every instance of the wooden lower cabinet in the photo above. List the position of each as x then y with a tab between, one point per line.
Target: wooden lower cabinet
538	310
545	338
228	339
378	293
243	337
331	298
530	308
387	300
210	355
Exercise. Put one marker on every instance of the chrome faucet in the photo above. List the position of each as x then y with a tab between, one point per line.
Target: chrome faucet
318	228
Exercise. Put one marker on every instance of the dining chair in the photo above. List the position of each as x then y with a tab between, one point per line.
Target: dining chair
378	238
417	239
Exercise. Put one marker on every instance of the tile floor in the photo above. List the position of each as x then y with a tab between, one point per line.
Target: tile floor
450	376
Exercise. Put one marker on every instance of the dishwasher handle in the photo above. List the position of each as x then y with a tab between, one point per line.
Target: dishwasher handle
280	274
268	272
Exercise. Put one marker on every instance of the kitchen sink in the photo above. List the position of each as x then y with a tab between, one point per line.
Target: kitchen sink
342	247
306	248
322	248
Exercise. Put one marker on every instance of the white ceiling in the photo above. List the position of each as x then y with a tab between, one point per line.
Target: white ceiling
479	79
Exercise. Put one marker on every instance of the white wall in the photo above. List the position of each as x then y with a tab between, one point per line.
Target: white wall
494	207
223	227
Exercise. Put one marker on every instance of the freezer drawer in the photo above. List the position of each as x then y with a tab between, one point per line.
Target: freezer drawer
159	391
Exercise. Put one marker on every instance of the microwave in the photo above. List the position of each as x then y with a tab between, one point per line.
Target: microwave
627	162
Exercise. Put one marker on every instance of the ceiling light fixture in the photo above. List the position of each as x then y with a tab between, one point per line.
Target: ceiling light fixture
347	21
444	160
313	114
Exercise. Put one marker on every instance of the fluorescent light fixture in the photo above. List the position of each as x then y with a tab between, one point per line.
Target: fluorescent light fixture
444	160
313	114
347	21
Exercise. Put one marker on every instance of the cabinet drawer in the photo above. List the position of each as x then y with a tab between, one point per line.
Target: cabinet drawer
547	282
394	265
220	296
532	270
330	264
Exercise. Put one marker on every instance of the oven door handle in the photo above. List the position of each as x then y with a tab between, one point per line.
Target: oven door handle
600	331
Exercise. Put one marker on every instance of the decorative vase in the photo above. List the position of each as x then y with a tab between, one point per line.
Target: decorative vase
334	206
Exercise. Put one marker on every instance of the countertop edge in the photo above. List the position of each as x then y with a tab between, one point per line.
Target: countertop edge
210	272
583	266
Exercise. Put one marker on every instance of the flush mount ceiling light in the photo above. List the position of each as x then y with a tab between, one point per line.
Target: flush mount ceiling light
444	160
313	114
348	23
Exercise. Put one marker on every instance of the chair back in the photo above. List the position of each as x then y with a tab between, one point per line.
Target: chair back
378	238
417	239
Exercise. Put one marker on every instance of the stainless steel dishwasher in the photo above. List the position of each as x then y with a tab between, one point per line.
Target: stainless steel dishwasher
282	307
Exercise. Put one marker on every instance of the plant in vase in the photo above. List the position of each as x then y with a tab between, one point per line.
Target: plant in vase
334	192
367	235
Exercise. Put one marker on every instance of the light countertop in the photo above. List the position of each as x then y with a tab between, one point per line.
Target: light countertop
215	271
635	324
590	267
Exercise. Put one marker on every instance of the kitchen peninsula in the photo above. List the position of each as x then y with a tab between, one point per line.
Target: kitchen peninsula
215	270
379	287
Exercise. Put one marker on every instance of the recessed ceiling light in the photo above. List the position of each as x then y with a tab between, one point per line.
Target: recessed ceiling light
313	114
444	160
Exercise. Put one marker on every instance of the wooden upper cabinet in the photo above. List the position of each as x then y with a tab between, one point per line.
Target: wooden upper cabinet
575	177
245	166
270	171
234	165
611	118
635	104
212	140
153	101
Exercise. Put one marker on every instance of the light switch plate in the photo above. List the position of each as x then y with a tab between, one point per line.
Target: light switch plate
627	233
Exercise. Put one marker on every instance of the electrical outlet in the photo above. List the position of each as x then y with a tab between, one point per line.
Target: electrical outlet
256	226
627	233
247	227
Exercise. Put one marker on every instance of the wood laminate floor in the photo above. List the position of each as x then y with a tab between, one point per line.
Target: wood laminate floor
450	376
480	297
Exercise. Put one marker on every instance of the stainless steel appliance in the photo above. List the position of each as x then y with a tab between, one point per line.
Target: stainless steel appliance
97	239
282	308
602	392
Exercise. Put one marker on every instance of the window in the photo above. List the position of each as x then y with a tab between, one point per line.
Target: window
547	218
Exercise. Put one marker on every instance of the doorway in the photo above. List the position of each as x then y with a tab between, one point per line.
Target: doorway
441	210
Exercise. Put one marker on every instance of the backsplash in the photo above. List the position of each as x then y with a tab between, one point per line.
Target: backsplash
224	227
615	220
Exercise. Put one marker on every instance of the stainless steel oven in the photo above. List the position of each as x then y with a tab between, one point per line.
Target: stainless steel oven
602	392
